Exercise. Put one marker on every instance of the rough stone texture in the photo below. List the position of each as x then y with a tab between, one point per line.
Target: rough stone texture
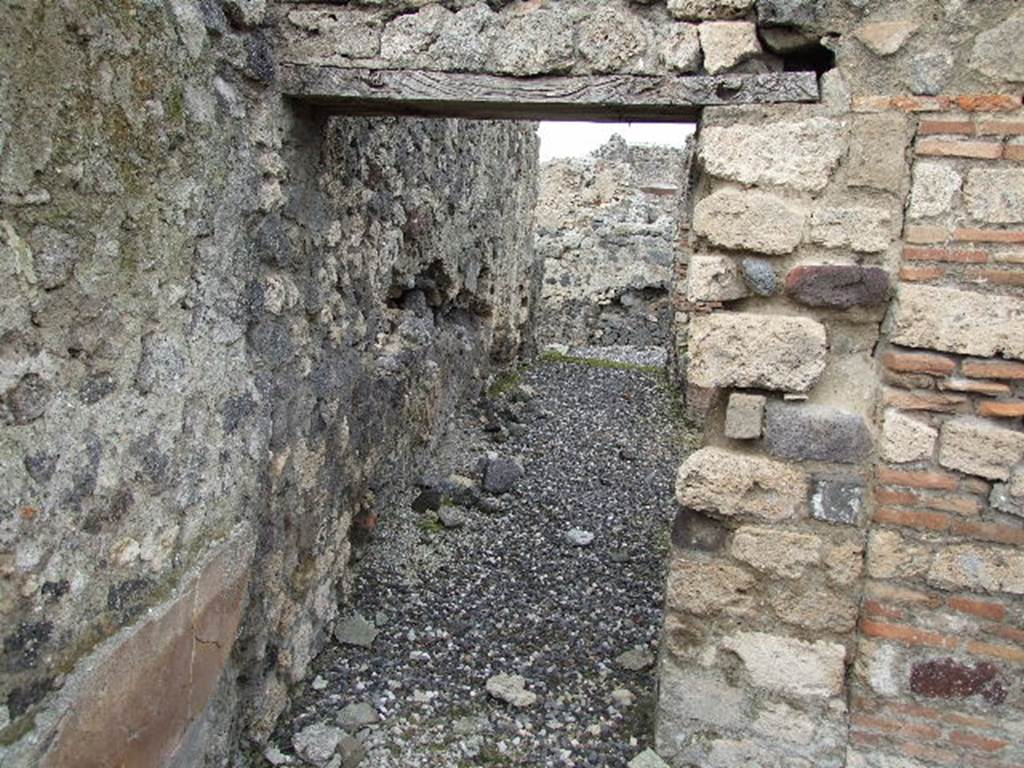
783	553
837	500
993	52
681	49
729	484
706	588
761	277
607	231
789	665
877	159
701	10
980	447
995	195
952	320
837	286
816	432
906	439
727	43
770	352
744	416
750	220
983	569
714	278
884	38
800	154
935	185
866	230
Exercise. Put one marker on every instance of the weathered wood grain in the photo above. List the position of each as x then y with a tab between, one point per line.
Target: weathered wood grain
597	97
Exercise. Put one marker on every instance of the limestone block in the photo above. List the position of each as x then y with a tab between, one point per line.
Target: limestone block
885	38
996	52
706	588
978	568
906	439
878	145
750	220
837	500
727	43
934	187
731	349
995	195
714	278
700	10
744	416
680	50
865	230
788	665
952	320
816	433
837	286
783	553
800	154
980	447
729	484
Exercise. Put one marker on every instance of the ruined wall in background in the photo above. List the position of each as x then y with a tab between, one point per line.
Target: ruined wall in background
608	232
225	328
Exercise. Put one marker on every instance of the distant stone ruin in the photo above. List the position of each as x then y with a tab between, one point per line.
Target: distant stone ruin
607	229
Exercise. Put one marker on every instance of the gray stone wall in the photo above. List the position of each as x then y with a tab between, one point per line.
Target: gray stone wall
608	232
226	327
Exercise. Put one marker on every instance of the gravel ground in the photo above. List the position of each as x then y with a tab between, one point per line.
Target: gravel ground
507	592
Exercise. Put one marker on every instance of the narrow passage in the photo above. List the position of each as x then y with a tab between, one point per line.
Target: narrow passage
466	587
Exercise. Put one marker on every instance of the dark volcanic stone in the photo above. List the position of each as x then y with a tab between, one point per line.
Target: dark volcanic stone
692	530
837	286
760	277
837	499
949	679
429	499
787	13
816	433
501	475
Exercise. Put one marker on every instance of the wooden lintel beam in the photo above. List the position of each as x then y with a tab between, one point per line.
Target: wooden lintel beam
581	97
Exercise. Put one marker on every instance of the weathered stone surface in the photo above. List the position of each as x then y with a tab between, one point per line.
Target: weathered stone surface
356	630
317	743
865	230
878	146
952	320
820	610
788	13
837	500
729	349
978	568
789	665
714	278
1002	499
980	447
760	276
332	36
816	433
930	72
54	254
837	286
501	474
750	220
995	51
611	40
701	10
706	588
783	553
512	690
358	715
800	154
535	43
934	187
995	195
681	48
885	38
729	484
744	416
727	43
948	678
891	556
647	759
694	696
906	439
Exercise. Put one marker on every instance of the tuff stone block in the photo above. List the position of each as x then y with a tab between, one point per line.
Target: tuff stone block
727	43
978	568
934	187
788	13
744	416
820	610
707	588
885	38
995	51
786	554
729	349
906	439
750	220
816	433
800	154
877	158
865	230
702	10
714	278
788	665
681	48
837	500
729	484
837	286
952	320
980	447
995	195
